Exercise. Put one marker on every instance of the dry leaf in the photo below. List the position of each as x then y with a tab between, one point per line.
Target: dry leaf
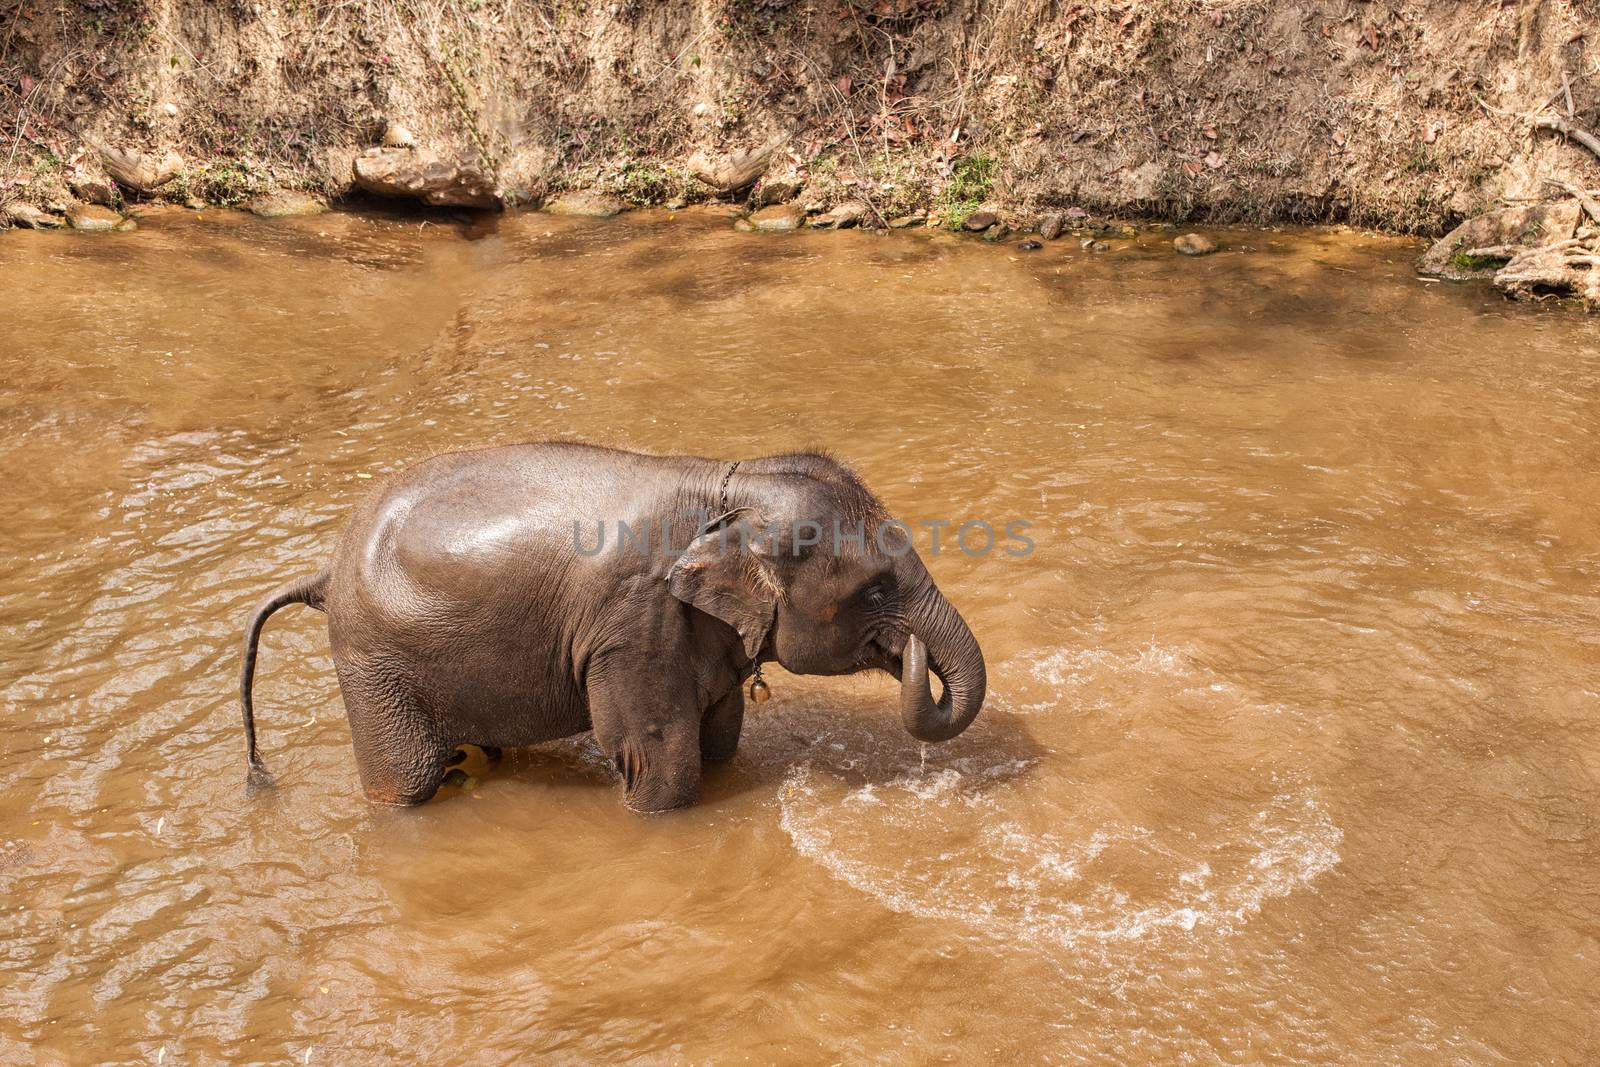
1209	133
1216	18
1338	138
1431	134
1370	35
1192	167
1213	160
1327	31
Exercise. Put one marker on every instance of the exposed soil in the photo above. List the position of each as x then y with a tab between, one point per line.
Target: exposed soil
1380	114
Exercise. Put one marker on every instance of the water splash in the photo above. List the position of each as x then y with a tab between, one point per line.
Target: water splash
963	856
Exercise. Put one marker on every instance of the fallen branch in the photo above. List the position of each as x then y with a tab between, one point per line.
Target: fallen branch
1555	123
1568	130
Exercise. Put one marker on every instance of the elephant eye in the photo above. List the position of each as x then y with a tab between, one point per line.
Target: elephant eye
874	595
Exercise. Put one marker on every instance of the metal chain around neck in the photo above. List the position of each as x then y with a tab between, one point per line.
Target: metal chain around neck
722	506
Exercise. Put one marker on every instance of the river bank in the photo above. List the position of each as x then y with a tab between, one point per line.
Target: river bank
1533	252
1406	117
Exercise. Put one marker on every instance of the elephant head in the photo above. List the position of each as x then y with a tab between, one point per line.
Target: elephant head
811	572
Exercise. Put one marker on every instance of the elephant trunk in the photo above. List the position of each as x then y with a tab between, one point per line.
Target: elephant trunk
940	635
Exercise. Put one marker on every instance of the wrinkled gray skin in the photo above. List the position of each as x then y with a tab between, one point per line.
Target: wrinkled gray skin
460	612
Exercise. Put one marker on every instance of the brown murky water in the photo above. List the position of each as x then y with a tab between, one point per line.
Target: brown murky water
1292	753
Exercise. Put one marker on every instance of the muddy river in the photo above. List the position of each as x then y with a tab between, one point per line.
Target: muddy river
1292	749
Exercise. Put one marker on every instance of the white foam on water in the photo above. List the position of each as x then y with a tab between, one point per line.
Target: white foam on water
958	855
867	794
1091	676
1078	666
976	841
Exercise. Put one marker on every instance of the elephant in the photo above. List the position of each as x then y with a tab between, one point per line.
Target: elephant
468	603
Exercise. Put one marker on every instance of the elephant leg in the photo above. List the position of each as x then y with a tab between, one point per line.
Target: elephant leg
719	729
399	772
399	756
652	739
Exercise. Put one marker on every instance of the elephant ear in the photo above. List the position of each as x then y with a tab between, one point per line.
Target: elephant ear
722	574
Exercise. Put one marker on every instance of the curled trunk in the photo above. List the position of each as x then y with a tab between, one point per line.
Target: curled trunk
940	639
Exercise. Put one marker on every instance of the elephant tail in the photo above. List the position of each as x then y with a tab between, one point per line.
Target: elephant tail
309	590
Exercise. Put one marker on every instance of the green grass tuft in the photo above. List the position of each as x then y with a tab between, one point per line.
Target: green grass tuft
1472	264
970	182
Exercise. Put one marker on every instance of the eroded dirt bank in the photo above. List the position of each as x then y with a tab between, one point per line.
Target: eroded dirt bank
1380	114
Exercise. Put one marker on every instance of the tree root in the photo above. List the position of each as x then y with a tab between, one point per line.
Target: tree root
1570	266
1534	273
1590	208
1554	122
1568	130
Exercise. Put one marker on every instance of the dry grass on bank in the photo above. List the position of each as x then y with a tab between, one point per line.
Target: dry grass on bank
1308	110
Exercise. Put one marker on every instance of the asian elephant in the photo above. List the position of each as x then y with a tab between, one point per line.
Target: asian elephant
481	598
